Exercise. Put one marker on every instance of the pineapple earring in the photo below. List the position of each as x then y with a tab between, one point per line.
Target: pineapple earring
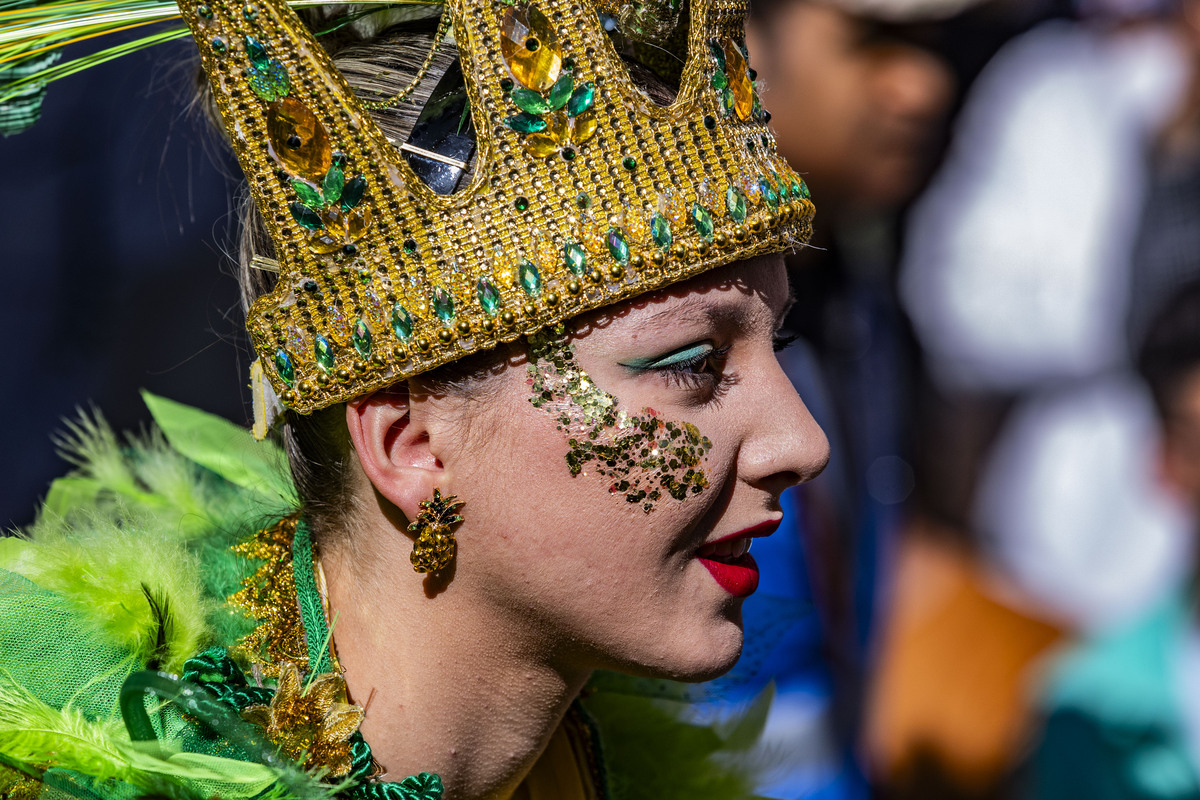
435	541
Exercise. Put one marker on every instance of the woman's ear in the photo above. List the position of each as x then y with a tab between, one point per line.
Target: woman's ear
393	448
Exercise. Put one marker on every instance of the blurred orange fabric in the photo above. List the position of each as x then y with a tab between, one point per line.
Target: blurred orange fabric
952	689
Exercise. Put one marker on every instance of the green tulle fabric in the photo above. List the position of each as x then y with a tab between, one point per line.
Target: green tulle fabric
120	586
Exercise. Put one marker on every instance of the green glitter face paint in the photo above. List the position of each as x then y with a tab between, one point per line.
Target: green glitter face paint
644	455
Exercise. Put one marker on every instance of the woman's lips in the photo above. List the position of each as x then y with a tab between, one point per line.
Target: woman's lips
729	561
738	576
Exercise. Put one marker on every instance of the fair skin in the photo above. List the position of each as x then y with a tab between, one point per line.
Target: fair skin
467	673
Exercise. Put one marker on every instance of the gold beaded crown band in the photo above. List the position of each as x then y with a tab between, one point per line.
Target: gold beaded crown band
585	191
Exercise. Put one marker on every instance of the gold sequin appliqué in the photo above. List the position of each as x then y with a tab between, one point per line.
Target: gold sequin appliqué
645	455
269	595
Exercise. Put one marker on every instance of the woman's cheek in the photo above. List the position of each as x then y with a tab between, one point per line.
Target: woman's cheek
643	456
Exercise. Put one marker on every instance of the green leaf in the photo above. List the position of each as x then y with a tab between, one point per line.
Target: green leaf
305	217
529	100
335	179
308	195
465	119
71	492
218	445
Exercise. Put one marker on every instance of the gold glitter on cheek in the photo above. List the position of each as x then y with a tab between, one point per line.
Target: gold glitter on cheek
645	455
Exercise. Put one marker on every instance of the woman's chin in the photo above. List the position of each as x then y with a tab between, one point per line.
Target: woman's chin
705	657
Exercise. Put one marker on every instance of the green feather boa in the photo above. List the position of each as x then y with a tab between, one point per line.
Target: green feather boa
127	568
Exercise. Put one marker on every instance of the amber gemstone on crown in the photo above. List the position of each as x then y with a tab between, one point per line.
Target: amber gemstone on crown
530	48
298	139
739	81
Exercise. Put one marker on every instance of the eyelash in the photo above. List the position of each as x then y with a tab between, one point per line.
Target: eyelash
688	374
782	341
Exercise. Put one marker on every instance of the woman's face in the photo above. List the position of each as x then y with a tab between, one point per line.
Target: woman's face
597	476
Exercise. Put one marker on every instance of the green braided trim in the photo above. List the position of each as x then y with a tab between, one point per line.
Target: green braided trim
312	613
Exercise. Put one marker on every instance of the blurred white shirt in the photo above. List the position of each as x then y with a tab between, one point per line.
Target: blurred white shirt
1016	269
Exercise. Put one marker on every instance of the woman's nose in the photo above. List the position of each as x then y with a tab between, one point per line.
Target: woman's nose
785	445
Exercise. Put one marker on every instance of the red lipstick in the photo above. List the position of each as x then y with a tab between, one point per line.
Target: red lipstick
736	574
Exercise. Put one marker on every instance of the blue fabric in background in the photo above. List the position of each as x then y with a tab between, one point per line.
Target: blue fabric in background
785	644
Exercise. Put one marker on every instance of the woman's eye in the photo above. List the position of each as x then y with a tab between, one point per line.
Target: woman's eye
697	365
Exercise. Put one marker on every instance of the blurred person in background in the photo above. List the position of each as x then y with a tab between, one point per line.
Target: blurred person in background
1123	708
860	91
1024	260
1023	265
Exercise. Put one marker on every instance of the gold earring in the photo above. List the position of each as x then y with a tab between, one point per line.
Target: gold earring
435	541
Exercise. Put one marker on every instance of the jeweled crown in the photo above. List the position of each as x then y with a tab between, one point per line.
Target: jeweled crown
585	191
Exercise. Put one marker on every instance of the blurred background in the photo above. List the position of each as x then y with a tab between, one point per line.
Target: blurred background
999	329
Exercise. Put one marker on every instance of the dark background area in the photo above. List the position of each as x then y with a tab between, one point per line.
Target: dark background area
116	223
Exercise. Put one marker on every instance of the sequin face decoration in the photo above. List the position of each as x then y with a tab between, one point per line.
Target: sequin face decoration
644	455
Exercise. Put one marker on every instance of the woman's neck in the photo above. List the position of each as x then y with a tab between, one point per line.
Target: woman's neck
447	689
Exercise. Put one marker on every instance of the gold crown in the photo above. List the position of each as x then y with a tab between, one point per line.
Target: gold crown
585	191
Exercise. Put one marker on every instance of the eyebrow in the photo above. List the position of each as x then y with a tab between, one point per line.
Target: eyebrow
694	310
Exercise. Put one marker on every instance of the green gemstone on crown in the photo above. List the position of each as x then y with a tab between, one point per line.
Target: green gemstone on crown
618	246
443	304
660	230
323	351
530	278
768	193
802	188
361	338
560	92
269	81
525	123
581	99
402	322
719	80
529	101
718	52
489	296
702	221
283	365
735	203
256	52
575	258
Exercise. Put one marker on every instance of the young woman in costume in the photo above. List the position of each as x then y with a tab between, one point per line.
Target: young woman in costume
517	341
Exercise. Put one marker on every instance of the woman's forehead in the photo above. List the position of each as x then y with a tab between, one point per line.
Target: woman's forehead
738	295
